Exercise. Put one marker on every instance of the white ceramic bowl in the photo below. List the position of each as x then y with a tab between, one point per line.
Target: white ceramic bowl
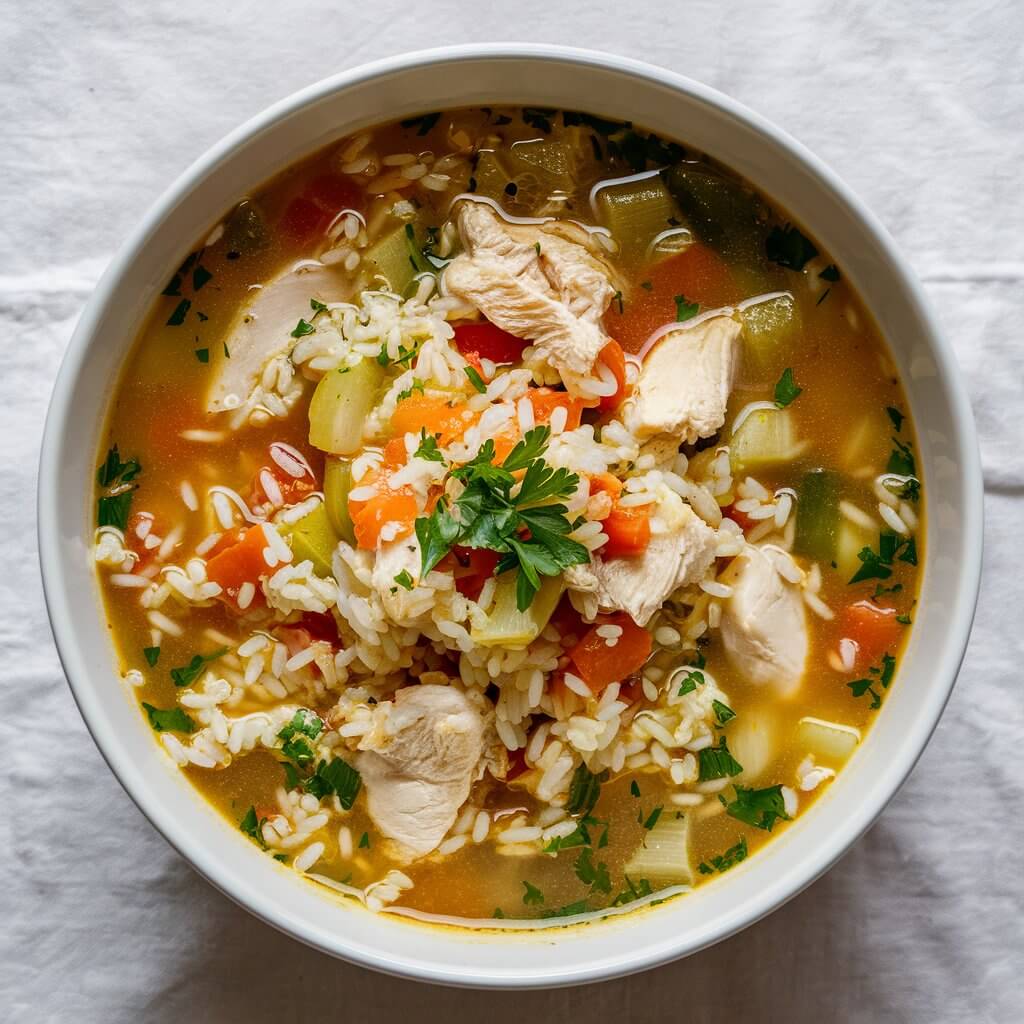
678	108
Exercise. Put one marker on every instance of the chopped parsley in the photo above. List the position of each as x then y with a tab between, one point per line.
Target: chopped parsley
882	675
202	354
617	299
364	841
404	580
758	807
317	307
169	719
584	790
539	118
498	913
647	286
304	721
112	510
186	675
177	317
723	713
896	416
152	655
690	682
589	873
404	358
786	389
200	276
685	310
652	818
113	472
634	788
253	827
302	328
475	379
423	124
878	565
115	475
298	750
528	529
336	777
569	910
416	385
581	837
726	860
901	460
532	896
633	891
830	273
717	762
789	247
428	449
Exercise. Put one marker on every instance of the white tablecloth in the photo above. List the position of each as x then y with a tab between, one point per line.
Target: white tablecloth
918	108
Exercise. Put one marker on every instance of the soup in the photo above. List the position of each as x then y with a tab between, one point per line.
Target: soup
509	515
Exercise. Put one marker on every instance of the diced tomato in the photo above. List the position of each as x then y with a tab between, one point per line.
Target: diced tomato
568	623
599	664
698	273
516	765
615	359
473	568
489	342
437	416
290	487
628	530
302	220
333	193
320	626
546	400
741	519
632	689
241	563
874	630
141	526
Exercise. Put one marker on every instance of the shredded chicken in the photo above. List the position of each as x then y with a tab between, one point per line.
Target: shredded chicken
685	382
262	330
418	766
678	556
393	559
536	284
764	623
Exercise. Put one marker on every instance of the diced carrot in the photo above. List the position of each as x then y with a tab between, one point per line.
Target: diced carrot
334	193
473	568
698	273
605	483
741	519
599	662
629	532
241	563
436	415
615	359
488	341
872	628
546	400
374	514
474	360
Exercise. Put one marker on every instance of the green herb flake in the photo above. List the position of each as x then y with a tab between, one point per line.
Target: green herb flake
726	860
202	354
717	762
652	818
112	510
647	286
302	328
364	841
475	379
169	719
416	385
498	913
896	416
634	788
200	276
317	306
786	389
112	472
186	675
634	891
888	670
569	910
152	655
594	875
337	778
901	460
878	565
617	299
423	124
428	449
830	273
532	896
904	620
758	807
690	682
723	713
584	790
304	721
253	827
177	317
404	580
281	857
789	247
685	310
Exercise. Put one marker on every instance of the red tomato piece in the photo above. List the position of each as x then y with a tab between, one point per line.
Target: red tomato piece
302	220
489	342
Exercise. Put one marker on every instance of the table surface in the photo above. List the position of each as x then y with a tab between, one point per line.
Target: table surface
917	107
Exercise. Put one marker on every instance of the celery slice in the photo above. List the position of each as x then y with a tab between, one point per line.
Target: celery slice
830	740
340	404
636	212
664	856
765	437
506	625
851	539
337	484
817	515
313	538
396	256
771	331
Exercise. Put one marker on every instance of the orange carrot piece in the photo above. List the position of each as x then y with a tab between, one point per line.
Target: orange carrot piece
435	415
874	630
600	663
240	563
628	530
615	359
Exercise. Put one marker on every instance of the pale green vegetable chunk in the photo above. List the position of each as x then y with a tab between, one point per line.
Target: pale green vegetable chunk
337	484
829	740
765	437
636	212
396	256
506	625
852	539
664	856
340	404
771	334
313	538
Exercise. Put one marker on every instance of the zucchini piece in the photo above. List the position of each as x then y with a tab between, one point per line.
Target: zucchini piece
664	856
829	740
397	256
817	515
506	625
771	330
340	404
765	438
636	212
337	484
314	538
491	176
850	540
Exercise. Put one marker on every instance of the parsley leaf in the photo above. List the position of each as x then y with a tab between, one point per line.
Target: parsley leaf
428	449
896	416
901	461
152	655
253	827
758	807
685	310
569	910
717	762
186	675
303	721
475	379
336	777
532	895
830	273
634	788
416	385
364	841
723	713
169	719
404	580
589	873
422	124
317	306
652	818
786	389
633	891
113	472
789	247
878	565
112	510
302	328
724	861
584	789
177	317
690	682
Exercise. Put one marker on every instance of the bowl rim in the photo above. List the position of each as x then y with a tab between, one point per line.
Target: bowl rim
862	816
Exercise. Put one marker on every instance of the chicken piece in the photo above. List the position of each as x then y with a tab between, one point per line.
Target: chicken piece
764	625
402	606
263	329
685	382
677	556
535	284
421	765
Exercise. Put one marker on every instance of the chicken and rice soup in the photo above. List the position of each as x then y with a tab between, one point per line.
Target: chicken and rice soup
509	515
